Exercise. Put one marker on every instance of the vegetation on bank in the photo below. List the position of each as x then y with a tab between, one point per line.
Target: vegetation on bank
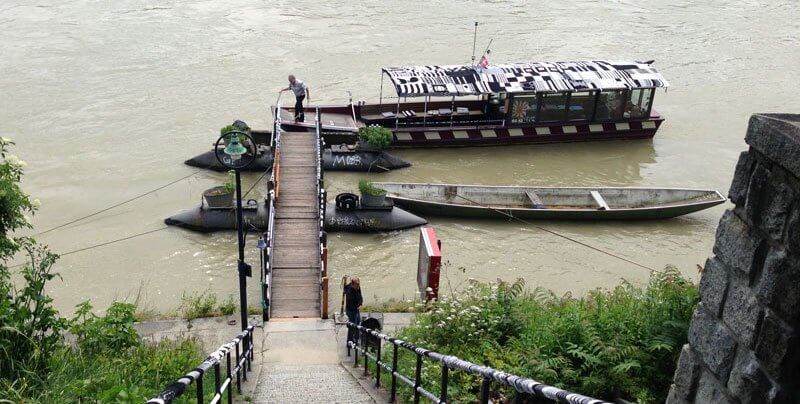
107	362
621	343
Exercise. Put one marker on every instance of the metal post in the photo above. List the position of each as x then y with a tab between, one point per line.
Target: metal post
417	378
355	345
238	372
485	390
378	365
216	379
200	388
443	394
363	340
230	377
241	266
394	373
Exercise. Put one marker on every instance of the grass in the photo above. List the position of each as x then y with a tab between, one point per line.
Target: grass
393	306
622	342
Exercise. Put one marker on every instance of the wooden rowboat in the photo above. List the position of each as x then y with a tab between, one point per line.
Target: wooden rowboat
479	201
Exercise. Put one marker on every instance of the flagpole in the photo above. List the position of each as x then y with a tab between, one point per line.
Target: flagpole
474	41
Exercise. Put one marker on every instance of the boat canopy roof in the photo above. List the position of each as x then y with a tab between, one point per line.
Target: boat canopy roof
536	77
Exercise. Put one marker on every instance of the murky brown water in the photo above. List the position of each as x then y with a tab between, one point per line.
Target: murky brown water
107	98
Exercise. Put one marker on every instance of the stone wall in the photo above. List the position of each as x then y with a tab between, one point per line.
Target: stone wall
743	340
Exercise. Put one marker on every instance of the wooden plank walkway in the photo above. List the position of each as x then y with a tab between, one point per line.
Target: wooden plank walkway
296	255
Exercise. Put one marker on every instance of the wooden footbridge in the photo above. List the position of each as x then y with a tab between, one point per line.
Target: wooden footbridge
296	283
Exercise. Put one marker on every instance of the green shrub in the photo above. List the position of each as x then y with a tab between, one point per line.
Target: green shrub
228	307
376	136
113	332
367	188
230	183
197	305
625	340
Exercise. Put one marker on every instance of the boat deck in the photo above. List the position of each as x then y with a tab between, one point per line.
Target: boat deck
329	120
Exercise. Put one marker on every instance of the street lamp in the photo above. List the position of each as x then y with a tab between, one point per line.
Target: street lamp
235	156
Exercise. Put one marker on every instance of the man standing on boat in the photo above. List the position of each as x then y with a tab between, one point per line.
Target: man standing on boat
301	92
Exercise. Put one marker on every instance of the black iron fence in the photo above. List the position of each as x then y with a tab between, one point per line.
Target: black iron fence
242	346
526	390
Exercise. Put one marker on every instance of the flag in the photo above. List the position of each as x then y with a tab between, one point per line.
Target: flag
484	62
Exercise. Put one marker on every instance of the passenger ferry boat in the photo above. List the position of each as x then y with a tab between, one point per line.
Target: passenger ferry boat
466	105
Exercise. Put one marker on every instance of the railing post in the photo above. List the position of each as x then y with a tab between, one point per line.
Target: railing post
245	365
230	377
417	378
378	364
443	394
216	380
366	348
485	385
394	373
238	371
200	387
355	348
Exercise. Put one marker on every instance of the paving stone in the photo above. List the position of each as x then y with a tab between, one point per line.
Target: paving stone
327	383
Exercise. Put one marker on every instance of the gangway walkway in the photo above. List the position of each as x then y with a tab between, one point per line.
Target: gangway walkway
295	262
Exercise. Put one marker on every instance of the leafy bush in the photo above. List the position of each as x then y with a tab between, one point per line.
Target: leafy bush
624	341
113	332
376	136
367	188
30	328
197	305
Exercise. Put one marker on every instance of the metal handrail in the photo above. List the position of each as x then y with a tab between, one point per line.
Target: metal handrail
244	357
521	385
319	144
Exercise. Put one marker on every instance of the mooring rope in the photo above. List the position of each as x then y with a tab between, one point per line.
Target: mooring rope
115	205
555	233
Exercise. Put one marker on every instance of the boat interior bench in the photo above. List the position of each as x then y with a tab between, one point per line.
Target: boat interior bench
535	200
598	199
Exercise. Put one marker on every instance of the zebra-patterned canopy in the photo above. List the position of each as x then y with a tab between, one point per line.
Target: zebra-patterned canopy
537	77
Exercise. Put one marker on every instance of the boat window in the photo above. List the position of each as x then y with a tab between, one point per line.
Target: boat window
610	105
554	107
524	108
638	105
581	106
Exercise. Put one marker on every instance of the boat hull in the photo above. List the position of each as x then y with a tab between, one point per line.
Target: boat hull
503	202
435	209
492	135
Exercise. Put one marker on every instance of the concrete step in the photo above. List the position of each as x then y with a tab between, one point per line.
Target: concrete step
291	313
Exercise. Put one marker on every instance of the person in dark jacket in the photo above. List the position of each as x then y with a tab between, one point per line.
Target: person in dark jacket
353	300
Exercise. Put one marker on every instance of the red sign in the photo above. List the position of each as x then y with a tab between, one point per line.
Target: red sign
429	264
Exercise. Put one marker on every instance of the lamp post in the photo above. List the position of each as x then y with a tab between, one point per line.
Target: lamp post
235	156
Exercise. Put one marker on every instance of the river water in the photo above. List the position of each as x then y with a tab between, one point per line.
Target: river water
107	98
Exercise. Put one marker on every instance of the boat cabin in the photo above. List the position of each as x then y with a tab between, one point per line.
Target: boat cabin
515	95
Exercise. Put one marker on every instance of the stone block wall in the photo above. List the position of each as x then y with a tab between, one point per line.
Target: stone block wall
744	340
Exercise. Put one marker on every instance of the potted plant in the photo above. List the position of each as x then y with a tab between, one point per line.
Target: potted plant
374	137
221	196
370	194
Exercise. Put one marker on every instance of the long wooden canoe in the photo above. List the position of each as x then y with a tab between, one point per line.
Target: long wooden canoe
607	203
